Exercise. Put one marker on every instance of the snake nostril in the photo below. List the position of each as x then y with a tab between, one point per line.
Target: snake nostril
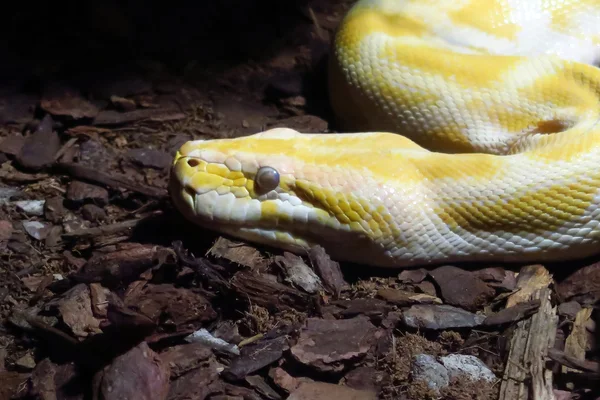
192	162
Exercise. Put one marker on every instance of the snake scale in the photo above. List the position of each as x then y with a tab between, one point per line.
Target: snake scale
471	135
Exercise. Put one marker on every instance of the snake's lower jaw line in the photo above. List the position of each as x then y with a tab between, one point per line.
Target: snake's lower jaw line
187	205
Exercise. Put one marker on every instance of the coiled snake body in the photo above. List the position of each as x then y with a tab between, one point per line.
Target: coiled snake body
474	136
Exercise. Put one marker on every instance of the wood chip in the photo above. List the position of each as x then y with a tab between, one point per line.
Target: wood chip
574	363
576	343
254	357
237	252
531	279
113	180
298	273
114	118
525	375
512	314
258	290
405	298
328	270
39	149
138	374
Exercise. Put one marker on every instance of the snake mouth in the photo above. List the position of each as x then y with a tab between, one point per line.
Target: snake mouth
260	232
241	218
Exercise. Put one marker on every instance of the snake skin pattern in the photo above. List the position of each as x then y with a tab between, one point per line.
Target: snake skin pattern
472	136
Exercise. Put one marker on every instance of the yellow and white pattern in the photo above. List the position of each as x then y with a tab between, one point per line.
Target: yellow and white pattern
475	137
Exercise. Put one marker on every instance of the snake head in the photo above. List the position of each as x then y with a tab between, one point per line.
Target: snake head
279	187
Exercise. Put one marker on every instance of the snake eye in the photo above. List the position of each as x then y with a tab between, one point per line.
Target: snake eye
192	162
267	178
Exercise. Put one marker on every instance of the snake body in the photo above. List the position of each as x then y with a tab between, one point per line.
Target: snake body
473	135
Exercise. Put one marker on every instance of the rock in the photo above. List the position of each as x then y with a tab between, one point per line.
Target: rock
93	213
185	357
138	374
37	230
150	158
462	288
31	207
466	365
334	345
54	210
405	298
582	286
80	192
298	273
254	357
425	368
328	391
26	362
39	148
439	317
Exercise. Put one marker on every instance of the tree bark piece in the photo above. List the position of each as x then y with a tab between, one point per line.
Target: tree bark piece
525	376
576	342
258	289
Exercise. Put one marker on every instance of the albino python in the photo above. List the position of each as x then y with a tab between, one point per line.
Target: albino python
473	136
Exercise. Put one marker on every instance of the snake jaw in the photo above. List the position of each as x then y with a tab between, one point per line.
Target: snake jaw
217	191
213	185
